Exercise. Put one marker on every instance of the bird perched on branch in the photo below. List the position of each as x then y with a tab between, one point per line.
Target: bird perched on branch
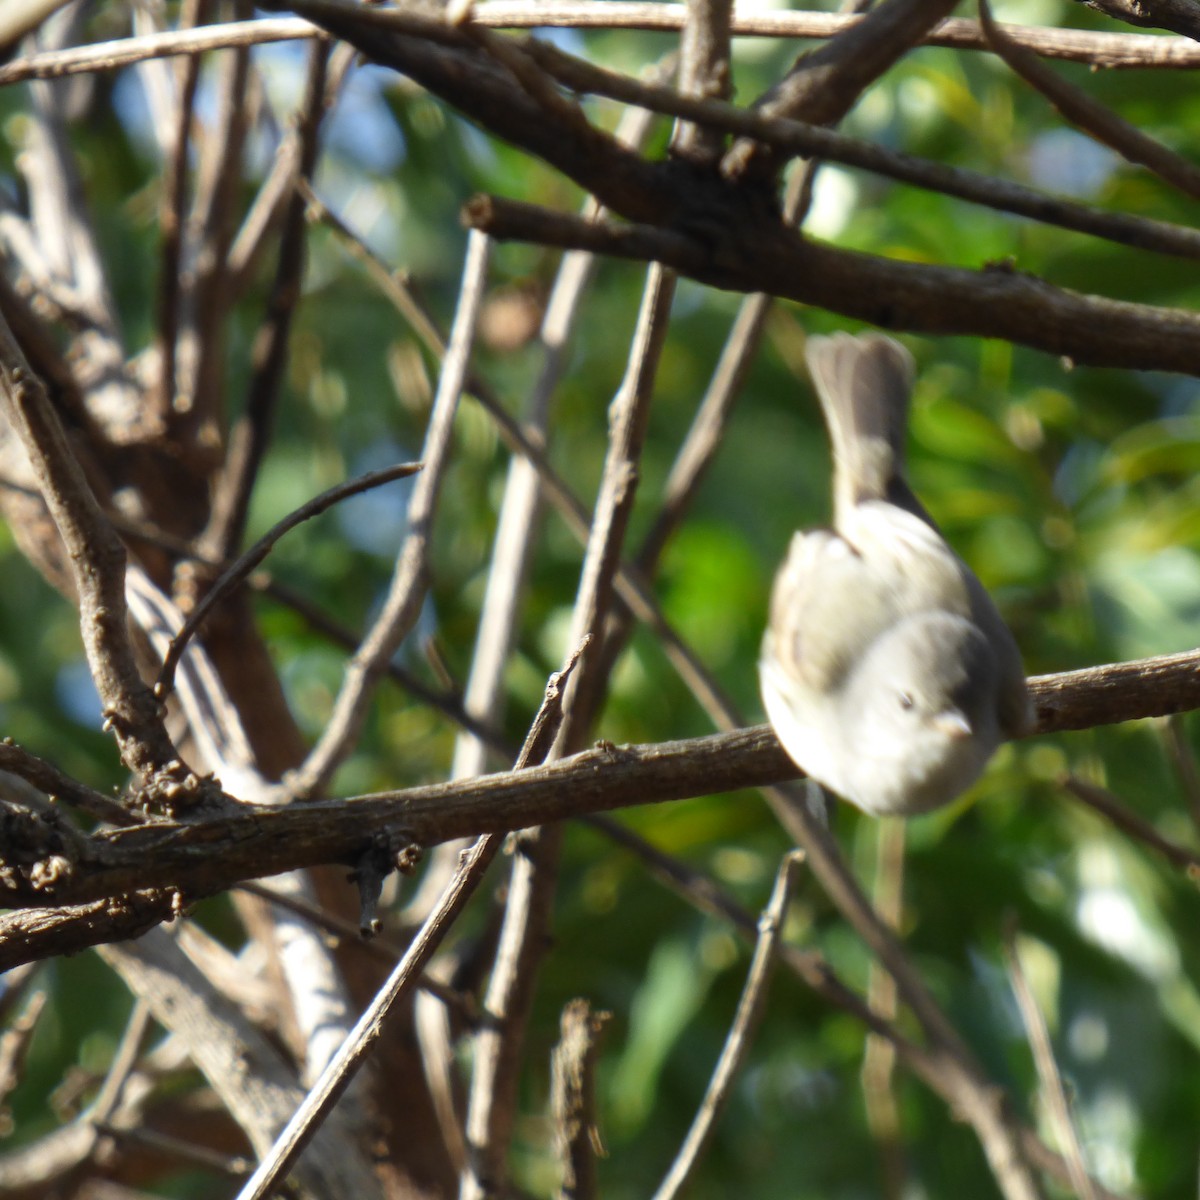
886	671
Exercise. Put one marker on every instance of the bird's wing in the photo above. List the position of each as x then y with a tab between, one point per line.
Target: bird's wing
1014	704
823	579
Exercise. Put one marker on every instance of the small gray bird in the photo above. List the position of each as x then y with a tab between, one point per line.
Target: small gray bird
886	671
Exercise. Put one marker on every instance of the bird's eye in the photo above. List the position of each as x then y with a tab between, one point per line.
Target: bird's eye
906	701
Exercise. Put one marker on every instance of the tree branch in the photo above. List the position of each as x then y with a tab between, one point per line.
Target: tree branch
206	855
995	302
409	578
98	565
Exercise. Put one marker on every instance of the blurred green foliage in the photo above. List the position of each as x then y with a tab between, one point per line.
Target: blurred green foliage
1072	493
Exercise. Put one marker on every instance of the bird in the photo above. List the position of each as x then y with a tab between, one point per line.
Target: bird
887	672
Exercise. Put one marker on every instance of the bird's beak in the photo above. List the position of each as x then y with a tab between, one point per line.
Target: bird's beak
953	724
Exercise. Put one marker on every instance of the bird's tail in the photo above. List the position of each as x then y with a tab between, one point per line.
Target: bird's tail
863	384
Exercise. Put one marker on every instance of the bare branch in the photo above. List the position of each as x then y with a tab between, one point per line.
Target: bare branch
179	1149
799	138
334	1080
108	56
16	1040
38	933
1078	45
198	383
737	1043
1124	818
810	967
204	856
995	302
1090	115
237	572
1180	16
523	937
1183	758
98	562
573	1098
1106	50
108	1098
409	582
705	71
1128	691
879	1059
240	1064
520	508
630	585
172	218
250	436
57	785
824	84
1053	1092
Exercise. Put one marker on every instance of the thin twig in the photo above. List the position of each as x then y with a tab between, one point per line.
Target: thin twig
523	938
800	138
1053	1092
705	435
1129	822
199	350
448	703
249	438
307	1119
172	217
274	196
350	934
879	1058
409	580
519	518
737	1043
123	52
236	572
16	983
811	968
824	84
519	510
632	588
177	1148
1098	49
1078	45
16	1040
628	421
124	1060
696	453
1184	759
491	1108
57	785
1090	115
69	250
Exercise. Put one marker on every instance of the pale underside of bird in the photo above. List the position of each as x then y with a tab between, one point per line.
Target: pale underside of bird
887	672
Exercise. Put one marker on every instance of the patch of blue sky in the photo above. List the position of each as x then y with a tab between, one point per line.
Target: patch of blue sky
1069	163
376	521
76	694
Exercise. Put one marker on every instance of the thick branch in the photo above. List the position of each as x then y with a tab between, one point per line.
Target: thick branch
994	302
204	856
